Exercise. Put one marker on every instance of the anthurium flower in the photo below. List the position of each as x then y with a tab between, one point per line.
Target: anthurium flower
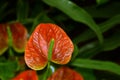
27	75
65	73
14	34
36	52
3	38
19	36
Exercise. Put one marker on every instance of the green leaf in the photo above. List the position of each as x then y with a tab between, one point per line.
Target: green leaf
86	73
8	69
22	10
112	42
105	26
98	65
75	53
86	35
76	13
89	50
2	7
93	48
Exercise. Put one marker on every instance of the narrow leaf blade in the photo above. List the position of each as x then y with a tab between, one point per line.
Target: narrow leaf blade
76	13
22	10
98	65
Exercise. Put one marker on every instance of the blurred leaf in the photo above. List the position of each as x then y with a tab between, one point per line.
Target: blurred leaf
100	2
98	65
3	6
76	13
41	18
89	50
28	20
22	10
105	26
113	42
93	48
103	75
2	58
60	17
75	53
104	11
37	8
86	35
8	69
86	73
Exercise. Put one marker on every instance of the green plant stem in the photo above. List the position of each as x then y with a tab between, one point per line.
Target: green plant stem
10	41
10	52
46	74
98	65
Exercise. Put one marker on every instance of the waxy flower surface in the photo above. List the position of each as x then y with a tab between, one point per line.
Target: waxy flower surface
13	35
65	73
3	38
19	36
36	52
27	75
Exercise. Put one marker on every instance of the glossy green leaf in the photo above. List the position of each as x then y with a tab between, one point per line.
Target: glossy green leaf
8	69
105	26
98	65
113	42
22	10
76	13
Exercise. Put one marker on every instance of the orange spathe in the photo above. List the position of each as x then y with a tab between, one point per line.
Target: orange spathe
27	75
65	73
36	52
